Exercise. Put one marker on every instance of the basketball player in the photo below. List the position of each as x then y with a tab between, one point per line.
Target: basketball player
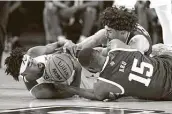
127	72
30	66
119	23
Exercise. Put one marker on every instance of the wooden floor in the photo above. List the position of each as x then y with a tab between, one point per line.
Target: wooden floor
15	99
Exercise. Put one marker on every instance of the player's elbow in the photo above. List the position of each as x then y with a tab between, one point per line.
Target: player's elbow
43	91
43	94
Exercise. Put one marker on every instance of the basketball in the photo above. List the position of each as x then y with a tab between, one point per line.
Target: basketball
60	68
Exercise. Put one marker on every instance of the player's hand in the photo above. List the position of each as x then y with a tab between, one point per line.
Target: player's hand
71	47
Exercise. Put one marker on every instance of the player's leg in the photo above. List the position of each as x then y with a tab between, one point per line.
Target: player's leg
4	9
2	41
89	17
51	22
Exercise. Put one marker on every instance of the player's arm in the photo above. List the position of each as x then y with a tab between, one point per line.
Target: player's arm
77	76
100	91
97	39
49	91
43	50
140	43
90	42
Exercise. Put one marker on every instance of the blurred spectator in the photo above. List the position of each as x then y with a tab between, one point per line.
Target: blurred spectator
141	11
15	23
147	17
59	14
4	9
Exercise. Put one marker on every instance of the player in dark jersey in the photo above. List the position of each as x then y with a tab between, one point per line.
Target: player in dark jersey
119	23
30	67
127	72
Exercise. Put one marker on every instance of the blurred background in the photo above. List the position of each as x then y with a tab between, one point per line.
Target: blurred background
30	23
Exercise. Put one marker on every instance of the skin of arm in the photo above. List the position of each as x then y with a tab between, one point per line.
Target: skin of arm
100	91
49	91
43	50
97	39
90	42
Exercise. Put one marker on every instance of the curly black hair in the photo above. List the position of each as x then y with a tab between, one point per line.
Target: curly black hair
119	18
13	62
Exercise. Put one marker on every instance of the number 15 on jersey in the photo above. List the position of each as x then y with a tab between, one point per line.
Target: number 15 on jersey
140	70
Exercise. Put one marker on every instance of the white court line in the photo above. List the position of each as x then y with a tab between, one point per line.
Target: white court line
44	107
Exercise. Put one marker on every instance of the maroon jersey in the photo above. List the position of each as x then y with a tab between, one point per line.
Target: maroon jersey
141	31
138	75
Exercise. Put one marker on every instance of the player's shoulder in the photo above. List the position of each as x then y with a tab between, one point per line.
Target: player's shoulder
139	30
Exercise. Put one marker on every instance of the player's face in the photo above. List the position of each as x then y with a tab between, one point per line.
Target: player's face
33	70
115	34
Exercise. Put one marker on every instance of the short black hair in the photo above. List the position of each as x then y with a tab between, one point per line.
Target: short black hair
86	56
119	18
13	62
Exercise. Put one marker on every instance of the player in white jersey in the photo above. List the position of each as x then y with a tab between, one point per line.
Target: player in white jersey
30	66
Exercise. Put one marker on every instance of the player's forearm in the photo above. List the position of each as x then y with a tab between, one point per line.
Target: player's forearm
49	91
43	50
37	51
50	48
86	93
93	41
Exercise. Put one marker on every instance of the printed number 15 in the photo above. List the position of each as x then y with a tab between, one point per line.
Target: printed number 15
140	70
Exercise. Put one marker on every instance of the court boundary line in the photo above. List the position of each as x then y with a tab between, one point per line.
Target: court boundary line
75	106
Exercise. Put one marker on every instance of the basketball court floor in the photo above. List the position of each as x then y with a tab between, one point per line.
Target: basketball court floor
15	99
